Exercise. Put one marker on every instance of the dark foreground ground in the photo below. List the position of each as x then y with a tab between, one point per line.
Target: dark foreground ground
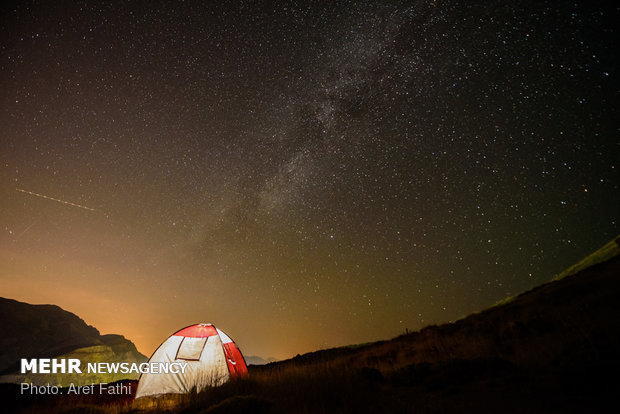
554	349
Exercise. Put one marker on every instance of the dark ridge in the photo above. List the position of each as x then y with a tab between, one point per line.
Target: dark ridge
47	331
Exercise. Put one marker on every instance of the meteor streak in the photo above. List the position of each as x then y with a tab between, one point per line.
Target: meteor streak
55	199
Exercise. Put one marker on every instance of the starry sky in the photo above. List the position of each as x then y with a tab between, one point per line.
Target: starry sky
302	174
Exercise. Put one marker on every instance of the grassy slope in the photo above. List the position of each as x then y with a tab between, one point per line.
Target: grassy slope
607	252
552	349
562	303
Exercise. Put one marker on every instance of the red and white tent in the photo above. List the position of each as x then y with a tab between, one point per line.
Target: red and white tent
211	355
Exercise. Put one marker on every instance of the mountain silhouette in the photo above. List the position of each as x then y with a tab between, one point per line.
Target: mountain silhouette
48	331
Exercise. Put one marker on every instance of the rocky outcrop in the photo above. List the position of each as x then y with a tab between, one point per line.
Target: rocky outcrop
47	331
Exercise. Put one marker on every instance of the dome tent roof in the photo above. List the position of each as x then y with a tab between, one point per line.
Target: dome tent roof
211	356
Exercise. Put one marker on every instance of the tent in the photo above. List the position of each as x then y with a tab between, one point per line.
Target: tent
211	356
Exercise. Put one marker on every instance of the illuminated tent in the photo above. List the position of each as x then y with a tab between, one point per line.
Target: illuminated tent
211	355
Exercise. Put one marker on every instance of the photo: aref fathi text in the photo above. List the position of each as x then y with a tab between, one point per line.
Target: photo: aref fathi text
101	388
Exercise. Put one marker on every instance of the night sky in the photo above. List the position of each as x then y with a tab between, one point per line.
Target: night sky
303	175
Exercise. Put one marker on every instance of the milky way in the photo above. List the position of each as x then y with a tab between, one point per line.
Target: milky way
305	175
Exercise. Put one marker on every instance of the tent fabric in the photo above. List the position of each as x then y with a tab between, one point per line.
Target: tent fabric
212	358
232	356
198	331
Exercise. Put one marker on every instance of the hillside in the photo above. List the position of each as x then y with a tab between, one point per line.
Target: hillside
575	317
36	331
551	349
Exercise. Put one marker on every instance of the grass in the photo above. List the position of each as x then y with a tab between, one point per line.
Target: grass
603	254
321	387
608	251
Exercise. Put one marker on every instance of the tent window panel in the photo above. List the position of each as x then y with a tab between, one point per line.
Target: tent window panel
191	348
